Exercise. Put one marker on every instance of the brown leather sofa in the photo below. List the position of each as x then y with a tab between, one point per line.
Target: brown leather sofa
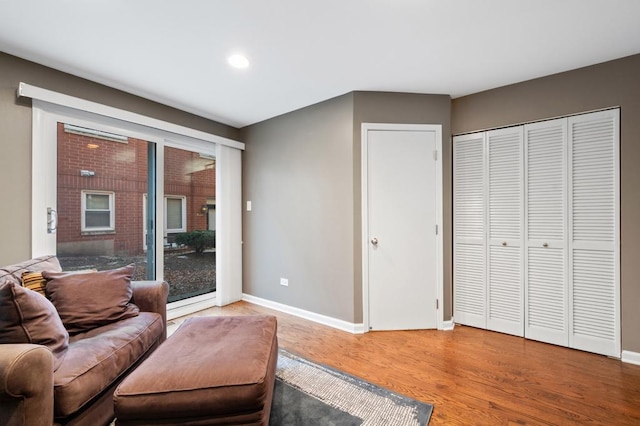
40	385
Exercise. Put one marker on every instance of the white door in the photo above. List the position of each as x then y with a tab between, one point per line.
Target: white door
505	296
546	290
594	232
402	217
469	242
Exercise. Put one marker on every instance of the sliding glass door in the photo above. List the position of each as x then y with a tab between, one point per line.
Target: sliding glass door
111	188
123	199
101	178
189	242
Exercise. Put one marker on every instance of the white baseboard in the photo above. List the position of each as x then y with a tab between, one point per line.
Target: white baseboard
448	325
311	316
631	357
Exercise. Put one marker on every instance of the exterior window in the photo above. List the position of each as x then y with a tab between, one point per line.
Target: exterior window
176	214
98	211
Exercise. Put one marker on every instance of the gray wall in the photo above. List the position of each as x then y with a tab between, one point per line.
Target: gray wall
15	139
615	83
298	174
302	173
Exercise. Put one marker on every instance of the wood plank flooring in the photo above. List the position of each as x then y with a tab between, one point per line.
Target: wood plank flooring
472	376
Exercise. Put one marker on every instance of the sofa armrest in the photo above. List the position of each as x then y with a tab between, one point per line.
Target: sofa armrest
26	385
151	296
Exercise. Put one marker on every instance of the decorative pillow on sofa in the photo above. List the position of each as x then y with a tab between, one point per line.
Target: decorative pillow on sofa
36	282
28	317
90	300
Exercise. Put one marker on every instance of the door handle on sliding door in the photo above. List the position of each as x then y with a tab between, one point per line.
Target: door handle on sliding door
52	220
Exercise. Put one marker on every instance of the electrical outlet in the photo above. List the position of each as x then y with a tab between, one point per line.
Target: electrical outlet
284	282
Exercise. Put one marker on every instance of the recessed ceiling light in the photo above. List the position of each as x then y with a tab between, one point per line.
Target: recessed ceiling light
238	61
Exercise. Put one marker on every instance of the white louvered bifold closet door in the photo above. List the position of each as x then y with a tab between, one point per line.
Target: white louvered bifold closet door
594	234
505	299
546	290
469	259
537	231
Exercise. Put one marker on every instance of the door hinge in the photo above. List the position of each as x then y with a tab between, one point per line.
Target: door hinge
437	304
436	229
435	155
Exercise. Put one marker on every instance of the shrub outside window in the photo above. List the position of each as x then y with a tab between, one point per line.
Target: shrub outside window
98	211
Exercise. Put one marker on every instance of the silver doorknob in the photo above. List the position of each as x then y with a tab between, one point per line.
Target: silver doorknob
374	241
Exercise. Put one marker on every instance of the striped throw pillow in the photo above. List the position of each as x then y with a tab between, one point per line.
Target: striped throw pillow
34	281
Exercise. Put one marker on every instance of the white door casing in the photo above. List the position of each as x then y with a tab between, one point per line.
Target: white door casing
402	211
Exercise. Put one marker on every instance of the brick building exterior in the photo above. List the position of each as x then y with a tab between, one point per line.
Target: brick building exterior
102	184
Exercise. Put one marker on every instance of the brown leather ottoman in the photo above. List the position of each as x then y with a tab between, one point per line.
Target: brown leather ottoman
211	371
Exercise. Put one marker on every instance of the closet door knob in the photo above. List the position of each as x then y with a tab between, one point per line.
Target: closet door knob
504	243
545	245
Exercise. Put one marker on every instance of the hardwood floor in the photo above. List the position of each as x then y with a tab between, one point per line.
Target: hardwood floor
471	376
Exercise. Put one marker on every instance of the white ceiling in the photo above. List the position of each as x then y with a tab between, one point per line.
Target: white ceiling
306	51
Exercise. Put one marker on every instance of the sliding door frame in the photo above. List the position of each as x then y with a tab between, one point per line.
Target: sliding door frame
49	108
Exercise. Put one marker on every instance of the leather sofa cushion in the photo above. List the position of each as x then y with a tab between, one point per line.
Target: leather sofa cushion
97	358
93	299
217	370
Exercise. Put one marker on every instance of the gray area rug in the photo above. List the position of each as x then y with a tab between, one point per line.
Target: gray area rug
311	394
